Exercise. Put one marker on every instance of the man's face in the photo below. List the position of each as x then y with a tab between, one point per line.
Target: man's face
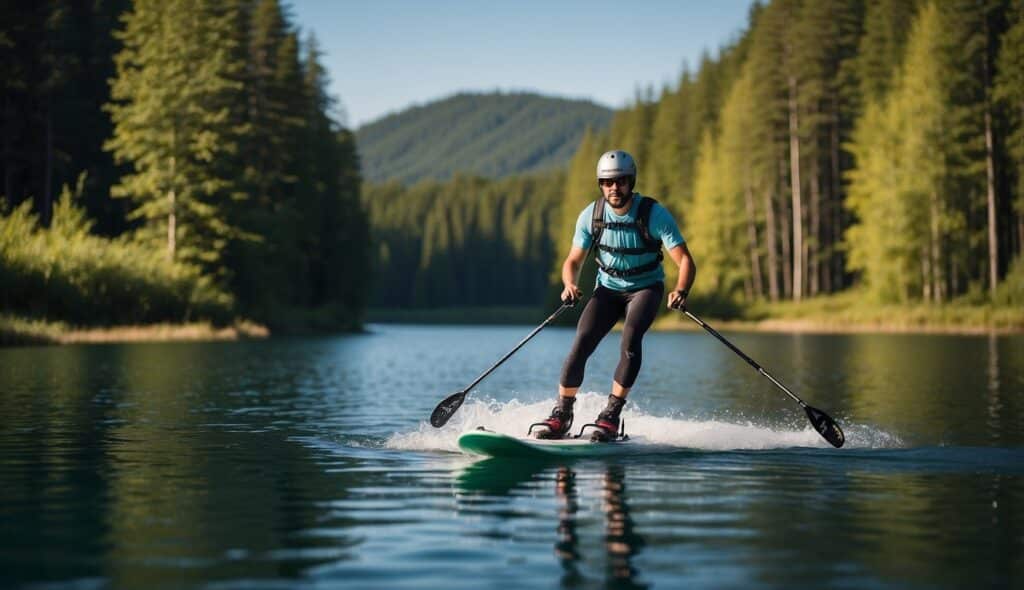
616	190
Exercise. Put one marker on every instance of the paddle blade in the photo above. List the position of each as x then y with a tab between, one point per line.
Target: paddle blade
446	408
826	426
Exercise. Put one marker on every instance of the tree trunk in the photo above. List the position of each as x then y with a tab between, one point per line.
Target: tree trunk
926	275
990	167
46	211
771	240
794	180
993	239
172	222
755	261
937	281
786	239
813	245
172	218
832	209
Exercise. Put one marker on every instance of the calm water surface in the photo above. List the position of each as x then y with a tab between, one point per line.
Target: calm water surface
309	463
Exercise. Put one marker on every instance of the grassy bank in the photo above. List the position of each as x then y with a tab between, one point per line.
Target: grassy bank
16	331
847	312
850	312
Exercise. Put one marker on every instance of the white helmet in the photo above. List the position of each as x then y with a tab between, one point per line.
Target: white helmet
614	164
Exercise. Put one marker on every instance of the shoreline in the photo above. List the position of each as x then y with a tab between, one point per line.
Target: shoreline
15	331
810	326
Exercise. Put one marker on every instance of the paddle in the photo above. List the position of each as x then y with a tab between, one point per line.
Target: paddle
450	404
821	421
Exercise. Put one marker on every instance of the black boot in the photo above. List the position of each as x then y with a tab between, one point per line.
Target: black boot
559	421
608	420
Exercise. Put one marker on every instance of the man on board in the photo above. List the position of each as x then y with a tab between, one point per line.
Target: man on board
630	229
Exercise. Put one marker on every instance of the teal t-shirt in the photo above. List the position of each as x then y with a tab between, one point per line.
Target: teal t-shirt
662	227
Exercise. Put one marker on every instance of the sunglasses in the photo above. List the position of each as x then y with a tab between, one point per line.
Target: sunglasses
622	180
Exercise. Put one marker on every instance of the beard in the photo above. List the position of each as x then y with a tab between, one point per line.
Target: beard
618	199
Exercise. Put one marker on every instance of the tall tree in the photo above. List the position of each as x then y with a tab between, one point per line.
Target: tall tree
56	58
172	125
338	246
1009	91
902	241
972	30
886	24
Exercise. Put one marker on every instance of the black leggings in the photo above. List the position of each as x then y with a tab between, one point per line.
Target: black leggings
599	316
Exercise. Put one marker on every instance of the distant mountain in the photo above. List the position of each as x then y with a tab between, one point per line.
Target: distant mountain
492	135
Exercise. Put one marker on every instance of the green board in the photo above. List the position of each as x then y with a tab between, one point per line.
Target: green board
494	444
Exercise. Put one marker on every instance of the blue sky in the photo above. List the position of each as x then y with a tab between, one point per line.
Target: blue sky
384	56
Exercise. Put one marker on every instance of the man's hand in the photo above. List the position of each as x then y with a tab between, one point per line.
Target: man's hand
571	294
677	299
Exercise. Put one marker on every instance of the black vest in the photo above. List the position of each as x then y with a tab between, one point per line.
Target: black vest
641	225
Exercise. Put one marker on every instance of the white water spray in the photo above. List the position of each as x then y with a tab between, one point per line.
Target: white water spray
514	417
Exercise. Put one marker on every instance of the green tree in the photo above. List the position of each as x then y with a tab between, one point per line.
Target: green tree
1009	91
971	36
172	125
905	237
881	48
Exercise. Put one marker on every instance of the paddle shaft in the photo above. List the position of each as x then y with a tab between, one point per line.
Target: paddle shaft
544	324
522	342
451	404
754	364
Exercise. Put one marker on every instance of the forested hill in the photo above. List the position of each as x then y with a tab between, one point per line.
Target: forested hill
492	135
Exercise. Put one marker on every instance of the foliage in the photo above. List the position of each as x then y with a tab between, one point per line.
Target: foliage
55	63
835	142
469	241
492	135
1011	290
173	125
856	310
67	272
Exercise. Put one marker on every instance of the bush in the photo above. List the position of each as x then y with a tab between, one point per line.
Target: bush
1011	290
67	273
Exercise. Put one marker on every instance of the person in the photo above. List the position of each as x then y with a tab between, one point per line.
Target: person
630	229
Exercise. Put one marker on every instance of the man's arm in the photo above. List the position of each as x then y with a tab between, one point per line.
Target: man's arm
687	273
570	270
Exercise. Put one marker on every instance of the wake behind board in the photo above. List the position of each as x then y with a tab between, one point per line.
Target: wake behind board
495	444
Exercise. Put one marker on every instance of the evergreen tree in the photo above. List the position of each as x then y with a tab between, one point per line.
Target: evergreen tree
971	32
56	59
172	125
1009	91
737	155
338	247
905	239
770	136
881	49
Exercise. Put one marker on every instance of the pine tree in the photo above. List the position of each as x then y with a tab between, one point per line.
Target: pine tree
172	125
907	231
1009	91
738	157
881	48
972	29
770	136
333	220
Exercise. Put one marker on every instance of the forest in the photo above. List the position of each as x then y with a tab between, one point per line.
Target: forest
871	149
837	146
143	184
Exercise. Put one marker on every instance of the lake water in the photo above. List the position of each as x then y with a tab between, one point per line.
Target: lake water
309	463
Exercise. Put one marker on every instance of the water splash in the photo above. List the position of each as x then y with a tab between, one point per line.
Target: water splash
514	417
